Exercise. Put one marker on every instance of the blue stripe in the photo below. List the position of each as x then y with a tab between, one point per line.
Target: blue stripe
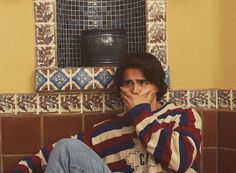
116	148
146	130
134	112
187	133
80	136
45	153
161	143
16	171
110	126
30	163
196	166
183	156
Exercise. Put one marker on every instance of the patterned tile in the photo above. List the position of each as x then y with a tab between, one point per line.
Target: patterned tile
41	81
48	103
156	11
44	12
167	75
156	33
113	102
27	102
234	99
212	102
46	56
179	97
198	98
59	79
45	34
82	78
7	103
70	103
93	102
159	51
224	99
103	77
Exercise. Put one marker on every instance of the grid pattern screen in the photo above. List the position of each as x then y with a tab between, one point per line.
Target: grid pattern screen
73	16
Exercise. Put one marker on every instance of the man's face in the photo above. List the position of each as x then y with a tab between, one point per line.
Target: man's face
135	82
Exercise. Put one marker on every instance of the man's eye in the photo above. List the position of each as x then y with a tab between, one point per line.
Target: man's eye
127	83
144	82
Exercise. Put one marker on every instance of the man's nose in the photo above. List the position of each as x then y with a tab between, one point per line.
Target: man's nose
135	89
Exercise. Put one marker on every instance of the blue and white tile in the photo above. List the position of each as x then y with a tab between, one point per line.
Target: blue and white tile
212	101
60	79
104	77
82	78
41	81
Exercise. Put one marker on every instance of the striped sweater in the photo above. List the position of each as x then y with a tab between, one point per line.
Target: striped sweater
141	141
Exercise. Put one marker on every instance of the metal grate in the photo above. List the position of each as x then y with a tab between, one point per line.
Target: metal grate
73	16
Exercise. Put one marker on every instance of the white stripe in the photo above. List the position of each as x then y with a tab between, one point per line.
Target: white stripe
151	146
43	161
120	155
22	162
112	134
175	156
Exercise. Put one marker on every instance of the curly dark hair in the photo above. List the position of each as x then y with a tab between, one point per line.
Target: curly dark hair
148	64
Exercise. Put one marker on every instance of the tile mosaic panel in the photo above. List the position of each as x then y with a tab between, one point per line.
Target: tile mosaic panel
46	45
103	77
102	101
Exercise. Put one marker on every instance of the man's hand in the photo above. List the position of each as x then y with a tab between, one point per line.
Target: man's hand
131	100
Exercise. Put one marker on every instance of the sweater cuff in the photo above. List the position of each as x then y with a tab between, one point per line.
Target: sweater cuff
136	111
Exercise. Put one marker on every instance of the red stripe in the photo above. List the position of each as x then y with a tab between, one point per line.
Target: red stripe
37	161
142	116
23	168
189	149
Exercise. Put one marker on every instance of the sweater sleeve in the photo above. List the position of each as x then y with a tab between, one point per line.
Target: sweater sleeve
172	136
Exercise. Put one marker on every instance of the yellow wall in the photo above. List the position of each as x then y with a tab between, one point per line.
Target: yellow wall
201	45
17	57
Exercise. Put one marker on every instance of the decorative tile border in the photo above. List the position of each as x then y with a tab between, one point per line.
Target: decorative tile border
49	78
106	101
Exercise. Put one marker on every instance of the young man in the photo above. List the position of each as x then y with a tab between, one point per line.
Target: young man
150	137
